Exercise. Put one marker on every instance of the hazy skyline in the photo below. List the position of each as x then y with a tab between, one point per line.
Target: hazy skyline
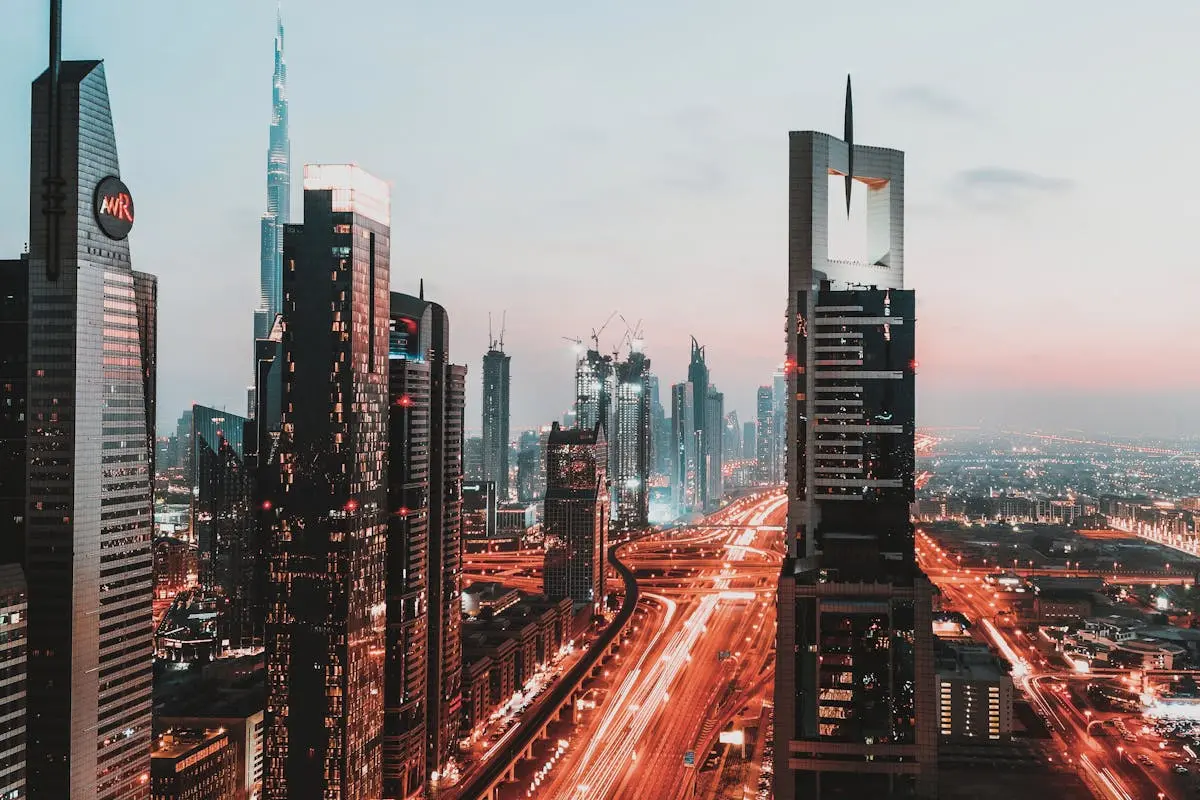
545	159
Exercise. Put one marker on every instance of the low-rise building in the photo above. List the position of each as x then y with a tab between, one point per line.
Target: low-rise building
974	693
488	598
188	764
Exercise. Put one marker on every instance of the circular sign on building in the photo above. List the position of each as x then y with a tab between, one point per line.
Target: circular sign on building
113	207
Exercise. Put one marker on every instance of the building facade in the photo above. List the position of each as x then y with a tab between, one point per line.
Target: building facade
326	607
577	515
495	418
14	368
854	706
14	619
423	695
88	518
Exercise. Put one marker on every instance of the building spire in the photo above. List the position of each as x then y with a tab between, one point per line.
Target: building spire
421	290
848	137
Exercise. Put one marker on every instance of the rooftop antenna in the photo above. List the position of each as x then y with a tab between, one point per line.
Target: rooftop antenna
53	193
421	290
848	137
491	341
503	326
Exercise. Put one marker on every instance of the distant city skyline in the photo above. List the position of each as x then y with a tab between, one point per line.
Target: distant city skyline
659	169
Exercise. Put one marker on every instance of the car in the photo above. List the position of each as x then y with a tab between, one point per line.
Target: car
1179	769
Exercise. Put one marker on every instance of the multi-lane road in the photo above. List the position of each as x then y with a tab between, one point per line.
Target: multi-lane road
1106	763
698	653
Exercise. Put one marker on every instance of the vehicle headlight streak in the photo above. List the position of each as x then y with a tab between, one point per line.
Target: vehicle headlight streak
632	708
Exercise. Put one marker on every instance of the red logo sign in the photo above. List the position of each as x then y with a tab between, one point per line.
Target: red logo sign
112	207
118	205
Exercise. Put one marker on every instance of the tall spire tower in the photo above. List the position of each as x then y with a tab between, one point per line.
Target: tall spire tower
279	196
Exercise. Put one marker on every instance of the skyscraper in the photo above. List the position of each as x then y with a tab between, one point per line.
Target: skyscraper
279	198
326	613
714	448
749	439
854	674
685	448
765	438
576	515
732	437
423	678
629	443
698	381
660	429
495	417
223	521
779	408
88	559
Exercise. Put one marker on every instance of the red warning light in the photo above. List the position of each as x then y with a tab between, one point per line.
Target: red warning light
404	400
266	505
351	505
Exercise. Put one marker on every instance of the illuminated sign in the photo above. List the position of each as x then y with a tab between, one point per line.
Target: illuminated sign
404	338
112	206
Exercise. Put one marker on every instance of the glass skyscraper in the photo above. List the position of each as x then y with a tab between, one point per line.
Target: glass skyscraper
630	442
279	198
88	516
223	522
496	418
326	608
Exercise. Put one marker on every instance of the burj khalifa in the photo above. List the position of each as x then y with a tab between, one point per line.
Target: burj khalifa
279	195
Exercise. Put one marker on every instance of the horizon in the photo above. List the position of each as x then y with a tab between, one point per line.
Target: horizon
607	169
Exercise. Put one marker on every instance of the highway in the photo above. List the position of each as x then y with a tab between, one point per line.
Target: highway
689	667
1109	771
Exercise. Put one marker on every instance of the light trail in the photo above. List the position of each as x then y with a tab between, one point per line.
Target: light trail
640	699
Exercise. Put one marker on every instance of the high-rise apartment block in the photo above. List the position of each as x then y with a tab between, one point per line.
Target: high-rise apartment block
576	515
496	417
854	705
594	388
88	562
326	618
423	695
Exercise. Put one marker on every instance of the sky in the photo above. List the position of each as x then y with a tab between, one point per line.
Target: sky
559	161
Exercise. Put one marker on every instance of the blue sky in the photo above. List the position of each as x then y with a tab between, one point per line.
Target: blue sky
562	160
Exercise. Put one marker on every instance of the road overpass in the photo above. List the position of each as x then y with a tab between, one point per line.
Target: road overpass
500	768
